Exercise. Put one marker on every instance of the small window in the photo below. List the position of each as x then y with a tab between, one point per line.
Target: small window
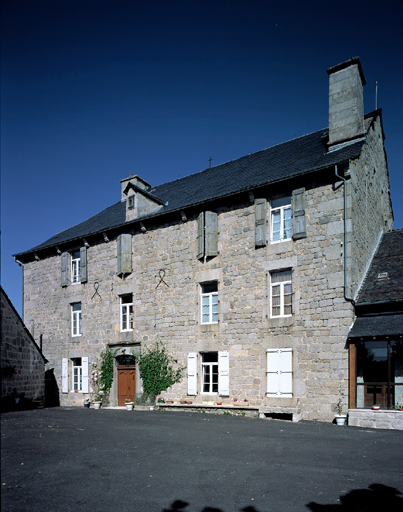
76	319
126	312
281	293
130	203
209	303
77	374
280	225
210	372
75	267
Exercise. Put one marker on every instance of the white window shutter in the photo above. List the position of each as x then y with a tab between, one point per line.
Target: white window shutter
223	373
65	375
279	372
64	269
200	236
285	376
273	361
211	234
192	373
260	222
83	264
84	363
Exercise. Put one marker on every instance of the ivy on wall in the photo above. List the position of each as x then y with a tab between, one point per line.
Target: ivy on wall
159	371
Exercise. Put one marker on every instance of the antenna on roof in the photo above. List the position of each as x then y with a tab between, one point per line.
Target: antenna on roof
376	95
210	162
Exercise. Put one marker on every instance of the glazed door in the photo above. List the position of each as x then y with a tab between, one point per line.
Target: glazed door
126	384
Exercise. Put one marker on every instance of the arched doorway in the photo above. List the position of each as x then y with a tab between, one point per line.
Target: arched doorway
126	369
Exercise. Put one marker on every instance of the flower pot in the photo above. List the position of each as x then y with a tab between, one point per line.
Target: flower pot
340	419
87	405
189	402
129	406
219	403
96	405
375	408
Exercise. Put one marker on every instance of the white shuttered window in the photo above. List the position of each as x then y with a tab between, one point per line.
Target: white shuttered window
279	372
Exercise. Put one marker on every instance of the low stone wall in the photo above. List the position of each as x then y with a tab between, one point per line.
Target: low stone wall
248	411
375	419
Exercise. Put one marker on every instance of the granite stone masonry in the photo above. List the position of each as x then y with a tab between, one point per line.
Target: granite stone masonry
242	271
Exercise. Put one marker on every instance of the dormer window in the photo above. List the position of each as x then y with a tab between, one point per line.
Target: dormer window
382	276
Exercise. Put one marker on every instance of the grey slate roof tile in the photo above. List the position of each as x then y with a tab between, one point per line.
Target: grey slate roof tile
290	159
377	325
388	258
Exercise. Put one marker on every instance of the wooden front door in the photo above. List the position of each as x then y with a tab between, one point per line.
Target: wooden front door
126	384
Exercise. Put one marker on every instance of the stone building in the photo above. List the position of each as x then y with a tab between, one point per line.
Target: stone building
246	271
22	362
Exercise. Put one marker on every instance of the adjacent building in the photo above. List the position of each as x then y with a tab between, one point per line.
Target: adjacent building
246	271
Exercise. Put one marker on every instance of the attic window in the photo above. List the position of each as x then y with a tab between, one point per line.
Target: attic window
382	276
130	202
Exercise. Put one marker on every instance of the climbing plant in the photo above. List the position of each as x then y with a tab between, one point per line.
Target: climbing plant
107	369
159	370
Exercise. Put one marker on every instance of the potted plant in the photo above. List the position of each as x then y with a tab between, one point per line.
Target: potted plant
376	407
399	407
87	403
340	417
129	404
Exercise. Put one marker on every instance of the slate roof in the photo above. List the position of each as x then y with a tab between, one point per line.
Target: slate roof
287	160
377	325
388	258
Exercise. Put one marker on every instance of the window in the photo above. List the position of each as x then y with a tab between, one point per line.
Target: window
77	368
209	303
75	267
379	373
126	312
280	219
77	374
281	293
210	372
214	373
76	319
279	372
207	235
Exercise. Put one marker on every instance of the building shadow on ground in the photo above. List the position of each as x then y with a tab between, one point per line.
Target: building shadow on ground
377	497
181	506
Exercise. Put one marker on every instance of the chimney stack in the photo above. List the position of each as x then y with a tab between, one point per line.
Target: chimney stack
346	102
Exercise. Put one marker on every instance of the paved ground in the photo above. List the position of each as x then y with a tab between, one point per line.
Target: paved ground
65	459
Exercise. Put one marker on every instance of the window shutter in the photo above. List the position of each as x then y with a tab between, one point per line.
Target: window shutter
298	214
200	236
279	372
223	373
64	269
83	264
65	375
124	249
211	234
192	373
84	363
260	222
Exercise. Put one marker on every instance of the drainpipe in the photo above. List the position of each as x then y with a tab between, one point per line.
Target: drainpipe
350	299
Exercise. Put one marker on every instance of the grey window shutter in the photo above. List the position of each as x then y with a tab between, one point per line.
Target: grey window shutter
211	234
200	236
298	214
260	222
64	269
124	249
83	264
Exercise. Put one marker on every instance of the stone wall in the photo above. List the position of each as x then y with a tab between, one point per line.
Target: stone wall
375	419
22	365
166	279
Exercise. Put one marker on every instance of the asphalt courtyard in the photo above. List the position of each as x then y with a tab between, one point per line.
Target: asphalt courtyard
73	459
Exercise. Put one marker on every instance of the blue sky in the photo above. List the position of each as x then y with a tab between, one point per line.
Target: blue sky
93	90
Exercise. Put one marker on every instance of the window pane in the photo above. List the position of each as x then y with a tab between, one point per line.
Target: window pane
280	201
287	223
209	287
276	225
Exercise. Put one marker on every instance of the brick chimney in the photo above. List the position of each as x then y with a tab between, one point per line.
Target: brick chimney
346	102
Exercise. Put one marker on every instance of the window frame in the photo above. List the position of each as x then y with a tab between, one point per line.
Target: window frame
75	267
213	370
282	294
211	303
76	316
76	371
281	209
126	309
